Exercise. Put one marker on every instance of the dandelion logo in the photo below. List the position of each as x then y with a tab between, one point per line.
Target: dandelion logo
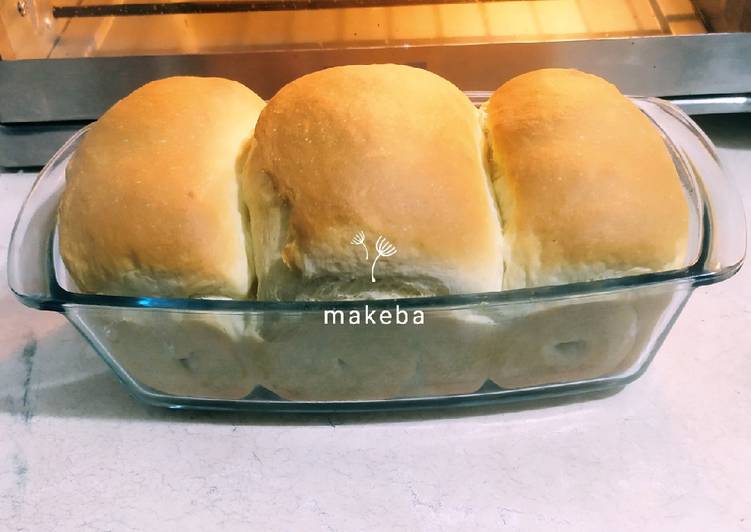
359	240
366	316
384	248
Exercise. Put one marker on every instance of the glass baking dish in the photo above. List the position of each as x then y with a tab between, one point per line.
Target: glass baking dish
466	349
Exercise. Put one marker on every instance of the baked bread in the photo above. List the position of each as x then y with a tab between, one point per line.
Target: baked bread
554	342
180	353
151	204
586	186
382	151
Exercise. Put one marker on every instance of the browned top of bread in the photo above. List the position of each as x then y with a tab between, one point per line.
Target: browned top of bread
586	185
389	150
151	204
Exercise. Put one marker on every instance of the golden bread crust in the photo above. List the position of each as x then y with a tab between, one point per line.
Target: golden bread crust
586	185
151	203
388	150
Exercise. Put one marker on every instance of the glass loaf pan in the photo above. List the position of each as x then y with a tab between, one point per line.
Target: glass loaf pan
475	348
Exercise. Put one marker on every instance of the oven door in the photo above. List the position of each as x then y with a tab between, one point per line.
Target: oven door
65	61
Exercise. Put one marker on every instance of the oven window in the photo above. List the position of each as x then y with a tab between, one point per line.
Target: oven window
32	29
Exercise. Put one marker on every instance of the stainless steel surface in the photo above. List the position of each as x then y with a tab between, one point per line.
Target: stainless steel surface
27	146
81	89
31	145
707	105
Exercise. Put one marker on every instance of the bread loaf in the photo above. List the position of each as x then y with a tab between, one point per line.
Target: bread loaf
369	181
586	186
378	151
151	204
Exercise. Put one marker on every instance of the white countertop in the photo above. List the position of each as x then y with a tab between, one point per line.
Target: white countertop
672	451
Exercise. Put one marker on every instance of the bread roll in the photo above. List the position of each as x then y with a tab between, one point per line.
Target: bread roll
178	353
556	342
586	186
297	358
151	204
385	150
453	351
332	364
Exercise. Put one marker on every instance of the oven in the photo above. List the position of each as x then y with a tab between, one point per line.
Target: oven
63	62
